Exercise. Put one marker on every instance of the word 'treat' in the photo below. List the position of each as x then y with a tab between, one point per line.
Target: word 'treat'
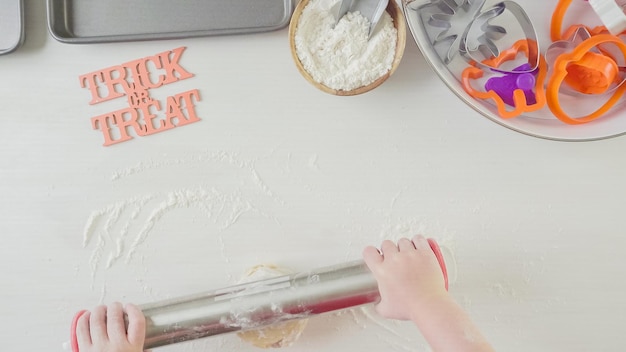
134	80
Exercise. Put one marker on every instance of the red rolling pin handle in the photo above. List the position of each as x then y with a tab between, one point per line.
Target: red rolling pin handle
73	339
442	263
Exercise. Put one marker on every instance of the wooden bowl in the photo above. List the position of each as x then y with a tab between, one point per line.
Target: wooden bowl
399	22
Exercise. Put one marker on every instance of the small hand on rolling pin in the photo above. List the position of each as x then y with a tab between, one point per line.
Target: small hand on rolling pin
104	329
408	276
412	288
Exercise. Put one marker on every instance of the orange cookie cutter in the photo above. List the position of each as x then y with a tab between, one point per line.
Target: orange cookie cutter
588	72
598	69
556	23
521	104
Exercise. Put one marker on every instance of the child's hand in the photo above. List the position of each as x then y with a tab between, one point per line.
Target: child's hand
104	330
408	276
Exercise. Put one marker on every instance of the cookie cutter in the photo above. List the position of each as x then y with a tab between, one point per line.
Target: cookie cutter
465	25
556	22
598	71
480	37
519	88
452	18
506	86
582	58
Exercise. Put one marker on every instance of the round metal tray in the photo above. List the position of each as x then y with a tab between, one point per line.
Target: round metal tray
542	123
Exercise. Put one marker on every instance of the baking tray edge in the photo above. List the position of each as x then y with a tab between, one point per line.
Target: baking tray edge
53	17
20	38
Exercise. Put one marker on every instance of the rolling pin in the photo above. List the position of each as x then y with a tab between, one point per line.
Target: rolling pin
259	304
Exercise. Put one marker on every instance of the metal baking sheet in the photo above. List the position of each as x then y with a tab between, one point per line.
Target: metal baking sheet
99	21
11	25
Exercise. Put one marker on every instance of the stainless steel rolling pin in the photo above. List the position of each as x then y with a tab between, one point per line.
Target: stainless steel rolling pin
258	304
262	303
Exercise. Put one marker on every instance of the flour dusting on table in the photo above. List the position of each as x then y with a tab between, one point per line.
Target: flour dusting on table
117	230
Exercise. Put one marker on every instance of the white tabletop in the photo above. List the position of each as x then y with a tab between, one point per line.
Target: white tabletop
279	172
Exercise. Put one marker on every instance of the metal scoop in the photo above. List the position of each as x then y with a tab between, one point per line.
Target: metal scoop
370	9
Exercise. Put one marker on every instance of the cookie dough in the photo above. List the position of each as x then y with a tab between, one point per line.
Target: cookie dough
279	335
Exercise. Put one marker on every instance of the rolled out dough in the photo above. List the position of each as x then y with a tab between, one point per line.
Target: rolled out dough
279	335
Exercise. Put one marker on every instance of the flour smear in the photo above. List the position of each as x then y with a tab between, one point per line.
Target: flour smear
116	231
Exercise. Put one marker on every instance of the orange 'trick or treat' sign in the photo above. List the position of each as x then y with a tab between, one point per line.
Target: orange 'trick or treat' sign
144	115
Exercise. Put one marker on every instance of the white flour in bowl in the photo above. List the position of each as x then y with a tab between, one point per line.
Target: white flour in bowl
340	56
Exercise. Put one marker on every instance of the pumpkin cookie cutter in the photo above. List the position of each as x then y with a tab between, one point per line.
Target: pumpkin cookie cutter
582	65
598	70
598	73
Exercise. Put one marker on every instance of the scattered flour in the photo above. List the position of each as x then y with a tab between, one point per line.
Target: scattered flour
121	227
341	56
